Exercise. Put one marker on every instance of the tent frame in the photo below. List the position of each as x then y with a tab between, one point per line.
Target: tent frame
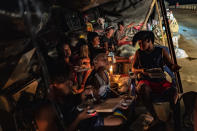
168	34
177	114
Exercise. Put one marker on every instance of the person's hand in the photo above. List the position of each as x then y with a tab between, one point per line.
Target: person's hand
130	43
125	38
131	58
113	48
84	60
83	66
84	115
144	72
79	91
76	68
175	67
87	91
107	52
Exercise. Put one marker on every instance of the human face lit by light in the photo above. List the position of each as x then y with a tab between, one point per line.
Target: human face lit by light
96	41
144	45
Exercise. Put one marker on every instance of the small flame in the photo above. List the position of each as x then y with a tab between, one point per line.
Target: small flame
111	69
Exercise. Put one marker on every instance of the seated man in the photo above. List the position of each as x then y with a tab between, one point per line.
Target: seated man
120	35
149	57
73	119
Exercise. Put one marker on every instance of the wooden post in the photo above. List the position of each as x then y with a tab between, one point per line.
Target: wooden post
148	15
160	23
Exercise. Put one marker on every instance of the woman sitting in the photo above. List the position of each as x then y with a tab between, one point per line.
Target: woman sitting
84	63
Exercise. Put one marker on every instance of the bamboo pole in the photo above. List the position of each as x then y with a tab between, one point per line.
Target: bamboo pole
160	24
170	44
148	15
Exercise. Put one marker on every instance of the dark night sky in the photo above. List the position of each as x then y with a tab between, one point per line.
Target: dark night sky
182	1
9	5
13	5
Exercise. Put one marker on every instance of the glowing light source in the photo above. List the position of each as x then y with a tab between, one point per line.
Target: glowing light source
111	70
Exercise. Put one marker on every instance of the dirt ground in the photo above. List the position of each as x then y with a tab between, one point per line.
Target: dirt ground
189	66
188	41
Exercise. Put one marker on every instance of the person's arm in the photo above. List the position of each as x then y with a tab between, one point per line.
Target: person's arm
112	121
87	60
122	40
74	124
87	91
169	62
82	116
106	46
136	63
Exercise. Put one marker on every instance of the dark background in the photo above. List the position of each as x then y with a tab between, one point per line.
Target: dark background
181	2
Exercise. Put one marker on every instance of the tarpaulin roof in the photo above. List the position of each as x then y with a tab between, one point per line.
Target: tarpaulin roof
14	30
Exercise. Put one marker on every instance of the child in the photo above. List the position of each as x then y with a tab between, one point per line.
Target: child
149	57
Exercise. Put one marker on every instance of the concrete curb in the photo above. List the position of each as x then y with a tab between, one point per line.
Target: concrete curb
188	6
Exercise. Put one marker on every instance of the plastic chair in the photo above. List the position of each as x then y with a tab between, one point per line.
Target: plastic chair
160	99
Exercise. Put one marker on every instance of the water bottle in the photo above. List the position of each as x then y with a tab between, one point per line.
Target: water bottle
111	54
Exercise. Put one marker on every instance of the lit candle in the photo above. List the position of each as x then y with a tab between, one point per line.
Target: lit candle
111	70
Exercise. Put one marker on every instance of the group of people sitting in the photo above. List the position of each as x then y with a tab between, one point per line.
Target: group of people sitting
82	54
82	71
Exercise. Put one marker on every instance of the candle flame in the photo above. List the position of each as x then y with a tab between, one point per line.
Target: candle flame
111	69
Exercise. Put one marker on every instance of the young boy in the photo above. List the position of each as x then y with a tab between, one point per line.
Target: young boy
99	78
149	57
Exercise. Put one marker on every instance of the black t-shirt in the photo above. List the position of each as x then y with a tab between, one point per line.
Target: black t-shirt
150	60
